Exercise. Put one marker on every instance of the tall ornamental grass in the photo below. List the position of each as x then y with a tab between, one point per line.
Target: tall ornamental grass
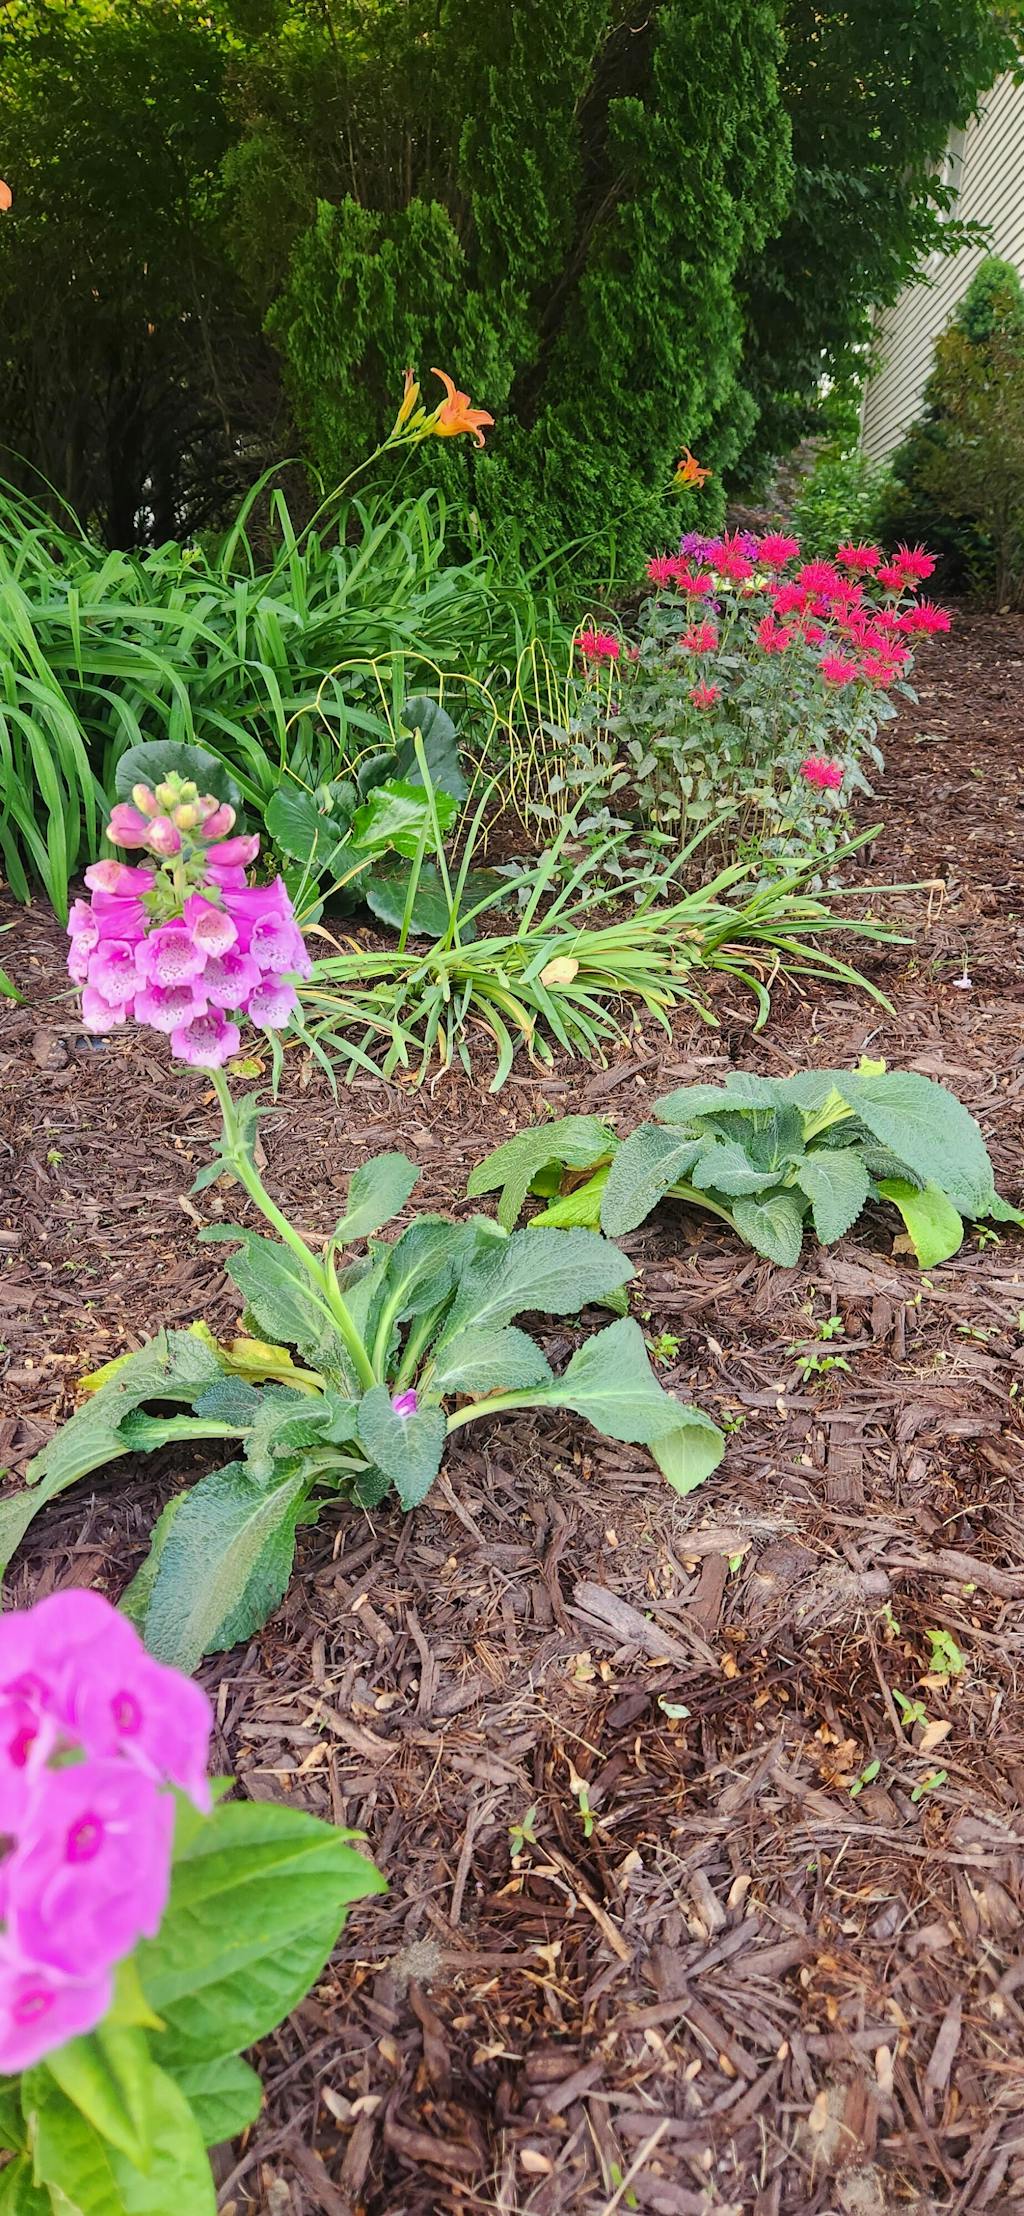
260	648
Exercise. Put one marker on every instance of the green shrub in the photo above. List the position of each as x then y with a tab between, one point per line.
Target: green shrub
959	474
841	499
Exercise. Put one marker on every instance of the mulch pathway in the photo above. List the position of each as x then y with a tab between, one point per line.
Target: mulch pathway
644	1948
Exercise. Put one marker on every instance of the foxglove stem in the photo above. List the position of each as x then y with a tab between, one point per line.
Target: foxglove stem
325	1282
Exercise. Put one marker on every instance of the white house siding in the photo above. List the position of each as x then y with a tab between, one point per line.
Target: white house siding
991	192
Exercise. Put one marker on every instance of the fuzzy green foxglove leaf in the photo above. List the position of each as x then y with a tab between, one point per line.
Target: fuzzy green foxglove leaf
837	1185
928	1128
406	1446
377	1192
554	1272
578	1210
934	1226
175	1365
224	1560
489	1361
572	1142
643	1170
772	1223
725	1167
610	1381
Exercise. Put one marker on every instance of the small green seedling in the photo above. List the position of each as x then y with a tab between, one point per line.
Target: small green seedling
811	1365
522	1834
911	1711
930	1784
892	1629
579	1787
665	1347
945	1659
867	1777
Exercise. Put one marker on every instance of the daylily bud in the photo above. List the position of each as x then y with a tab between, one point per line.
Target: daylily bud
145	800
164	837
127	827
220	822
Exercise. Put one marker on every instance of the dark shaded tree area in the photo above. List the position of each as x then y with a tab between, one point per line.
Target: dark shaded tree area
235	222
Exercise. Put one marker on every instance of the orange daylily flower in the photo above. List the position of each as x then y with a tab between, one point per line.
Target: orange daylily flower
6	197
689	471
455	414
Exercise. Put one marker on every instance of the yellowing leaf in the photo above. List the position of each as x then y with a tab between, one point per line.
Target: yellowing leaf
561	971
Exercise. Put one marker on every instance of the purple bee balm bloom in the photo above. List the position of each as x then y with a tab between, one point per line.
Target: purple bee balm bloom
405	1404
170	956
167	1007
207	1042
90	1873
271	1004
112	971
211	927
229	978
39	2011
99	1014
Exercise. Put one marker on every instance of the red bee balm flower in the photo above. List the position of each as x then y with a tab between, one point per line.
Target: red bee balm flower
925	616
819	577
599	646
914	561
775	549
858	557
818	771
704	696
666	569
772	637
701	638
836	670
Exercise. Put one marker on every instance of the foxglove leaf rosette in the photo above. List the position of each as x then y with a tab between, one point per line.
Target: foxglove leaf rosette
92	1734
191	948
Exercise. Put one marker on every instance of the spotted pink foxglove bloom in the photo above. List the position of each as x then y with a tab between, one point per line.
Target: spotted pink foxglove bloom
91	1732
228	949
206	1042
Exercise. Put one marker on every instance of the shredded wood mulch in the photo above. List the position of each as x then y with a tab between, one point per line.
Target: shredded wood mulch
705	1880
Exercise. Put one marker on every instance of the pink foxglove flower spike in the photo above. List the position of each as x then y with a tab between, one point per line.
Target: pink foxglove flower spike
187	948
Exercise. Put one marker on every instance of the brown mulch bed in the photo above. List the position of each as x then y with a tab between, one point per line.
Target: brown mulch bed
643	1946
